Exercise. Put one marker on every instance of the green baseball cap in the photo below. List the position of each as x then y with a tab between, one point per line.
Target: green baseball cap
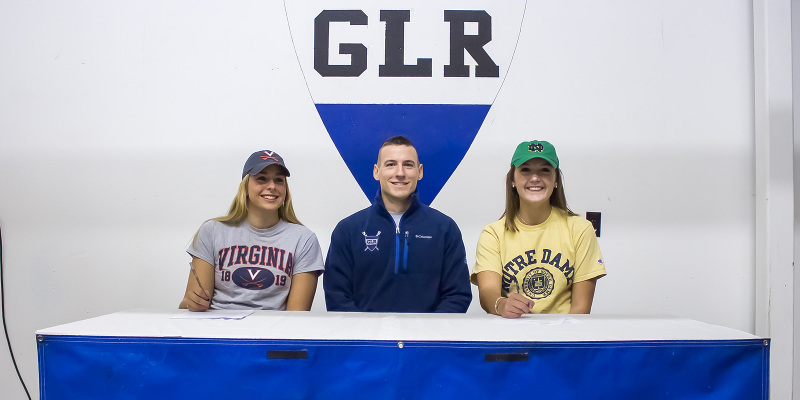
534	149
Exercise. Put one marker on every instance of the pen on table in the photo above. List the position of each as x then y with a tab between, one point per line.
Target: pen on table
198	279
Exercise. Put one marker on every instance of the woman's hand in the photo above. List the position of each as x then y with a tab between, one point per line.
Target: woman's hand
492	302
196	299
201	276
514	306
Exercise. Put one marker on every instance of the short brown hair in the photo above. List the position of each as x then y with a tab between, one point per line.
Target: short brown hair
397	141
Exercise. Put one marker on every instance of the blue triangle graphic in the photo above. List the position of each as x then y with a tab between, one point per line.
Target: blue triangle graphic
442	134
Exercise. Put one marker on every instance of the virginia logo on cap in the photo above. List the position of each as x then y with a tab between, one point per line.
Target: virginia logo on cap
426	70
270	156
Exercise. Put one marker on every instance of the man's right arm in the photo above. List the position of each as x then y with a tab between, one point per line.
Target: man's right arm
336	280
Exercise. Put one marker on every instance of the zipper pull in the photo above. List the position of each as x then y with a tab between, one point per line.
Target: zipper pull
405	253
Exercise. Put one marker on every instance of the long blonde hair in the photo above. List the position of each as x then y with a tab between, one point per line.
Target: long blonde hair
557	199
238	210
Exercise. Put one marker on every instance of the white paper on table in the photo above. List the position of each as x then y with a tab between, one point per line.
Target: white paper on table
213	314
538	320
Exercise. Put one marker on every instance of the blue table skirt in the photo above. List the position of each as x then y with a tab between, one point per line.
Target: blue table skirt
91	367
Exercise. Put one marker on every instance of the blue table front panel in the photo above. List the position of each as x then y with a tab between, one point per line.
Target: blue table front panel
80	367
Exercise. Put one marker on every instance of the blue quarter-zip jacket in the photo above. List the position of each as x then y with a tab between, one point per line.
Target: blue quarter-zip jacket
420	266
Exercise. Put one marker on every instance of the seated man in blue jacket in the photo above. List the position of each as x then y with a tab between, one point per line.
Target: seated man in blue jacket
398	255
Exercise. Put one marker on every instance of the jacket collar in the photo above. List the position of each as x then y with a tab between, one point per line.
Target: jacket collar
378	201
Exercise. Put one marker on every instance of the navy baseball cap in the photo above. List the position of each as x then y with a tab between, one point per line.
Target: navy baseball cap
262	159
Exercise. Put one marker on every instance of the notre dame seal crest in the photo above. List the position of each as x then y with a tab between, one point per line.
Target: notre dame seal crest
538	283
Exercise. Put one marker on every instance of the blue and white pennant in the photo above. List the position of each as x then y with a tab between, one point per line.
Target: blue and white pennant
428	70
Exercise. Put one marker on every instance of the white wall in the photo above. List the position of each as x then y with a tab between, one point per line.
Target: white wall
124	125
795	35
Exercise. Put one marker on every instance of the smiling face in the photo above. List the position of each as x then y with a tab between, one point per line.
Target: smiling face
266	190
534	181
398	170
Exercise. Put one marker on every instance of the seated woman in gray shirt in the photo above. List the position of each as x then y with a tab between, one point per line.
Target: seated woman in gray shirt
258	256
